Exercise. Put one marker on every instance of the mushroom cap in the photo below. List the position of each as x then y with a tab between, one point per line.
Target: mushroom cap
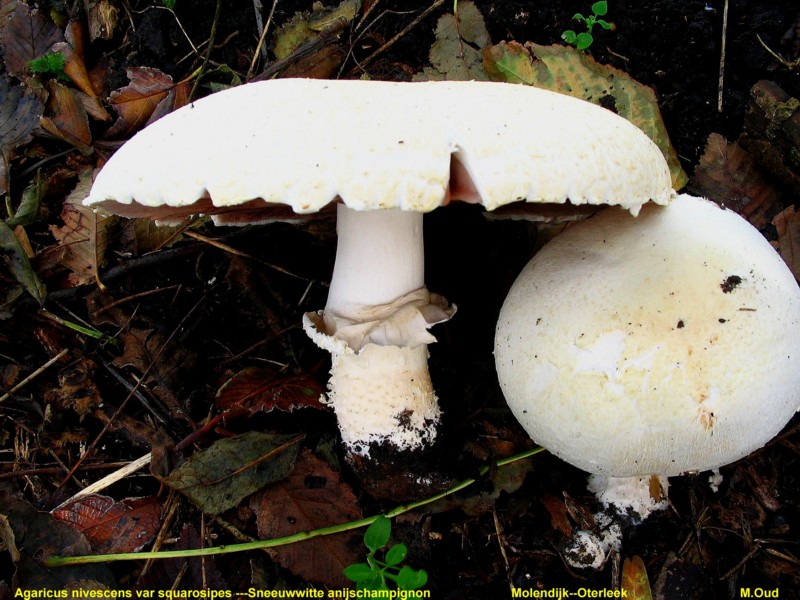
374	144
657	345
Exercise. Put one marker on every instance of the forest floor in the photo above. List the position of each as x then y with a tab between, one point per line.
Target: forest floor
119	340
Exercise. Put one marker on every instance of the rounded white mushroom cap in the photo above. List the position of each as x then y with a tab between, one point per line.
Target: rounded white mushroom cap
657	345
373	144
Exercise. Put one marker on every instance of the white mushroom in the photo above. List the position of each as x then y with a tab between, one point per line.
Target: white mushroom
653	346
403	148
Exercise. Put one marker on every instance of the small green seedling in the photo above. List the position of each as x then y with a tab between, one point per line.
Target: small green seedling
51	63
376	573
584	39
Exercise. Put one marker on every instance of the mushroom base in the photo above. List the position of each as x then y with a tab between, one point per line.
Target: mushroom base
383	395
639	496
385	472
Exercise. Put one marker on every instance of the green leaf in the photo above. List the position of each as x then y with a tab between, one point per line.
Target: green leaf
221	476
569	36
18	263
584	41
377	535
411	579
600	8
396	554
605	24
29	205
578	17
358	572
376	581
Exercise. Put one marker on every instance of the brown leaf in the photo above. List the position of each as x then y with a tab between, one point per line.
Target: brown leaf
76	389
84	233
66	118
729	176
75	68
310	498
102	16
27	35
634	579
557	509
136	103
38	535
787	223
19	115
456	53
111	526
74	59
257	389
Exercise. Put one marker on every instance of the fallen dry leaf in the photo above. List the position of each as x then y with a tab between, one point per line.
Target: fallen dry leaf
19	115
137	102
634	579
76	389
729	176
257	389
110	526
38	535
559	515
456	53
66	118
85	234
27	34
75	68
787	223
311	497
102	16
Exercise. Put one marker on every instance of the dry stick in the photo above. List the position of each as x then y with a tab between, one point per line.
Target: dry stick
722	56
404	31
260	49
60	561
499	531
207	56
33	375
109	479
235	252
57	470
130	395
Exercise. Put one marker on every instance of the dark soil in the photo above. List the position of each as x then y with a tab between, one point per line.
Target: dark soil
230	313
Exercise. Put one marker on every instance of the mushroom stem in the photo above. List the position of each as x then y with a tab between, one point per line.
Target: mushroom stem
641	495
375	327
379	257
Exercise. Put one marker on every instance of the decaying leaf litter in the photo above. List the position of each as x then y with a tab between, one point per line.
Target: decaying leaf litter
159	329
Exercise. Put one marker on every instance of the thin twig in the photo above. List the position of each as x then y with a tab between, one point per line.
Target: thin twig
207	56
499	531
60	561
722	56
260	48
109	479
131	394
404	31
239	253
33	375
